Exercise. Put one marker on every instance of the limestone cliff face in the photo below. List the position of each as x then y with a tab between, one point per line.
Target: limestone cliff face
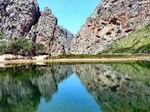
47	32
17	17
112	20
22	18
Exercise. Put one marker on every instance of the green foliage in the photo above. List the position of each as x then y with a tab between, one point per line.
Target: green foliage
3	47
40	49
1	35
102	55
137	42
21	46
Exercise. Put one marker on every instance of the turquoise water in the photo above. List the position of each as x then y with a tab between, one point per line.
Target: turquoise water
104	87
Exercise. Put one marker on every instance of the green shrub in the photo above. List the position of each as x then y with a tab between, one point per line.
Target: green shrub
2	47
21	46
40	48
1	35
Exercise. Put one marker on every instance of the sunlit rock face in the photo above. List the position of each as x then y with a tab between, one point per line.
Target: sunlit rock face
48	33
17	17
114	89
112	20
21	88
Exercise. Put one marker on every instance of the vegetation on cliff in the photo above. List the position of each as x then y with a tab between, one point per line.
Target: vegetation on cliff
21	46
137	42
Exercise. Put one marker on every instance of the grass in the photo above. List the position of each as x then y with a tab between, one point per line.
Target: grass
103	55
137	42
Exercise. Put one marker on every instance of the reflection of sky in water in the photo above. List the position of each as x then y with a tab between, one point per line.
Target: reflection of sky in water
71	97
116	87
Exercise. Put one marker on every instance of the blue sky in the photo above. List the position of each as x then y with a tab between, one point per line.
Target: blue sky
71	14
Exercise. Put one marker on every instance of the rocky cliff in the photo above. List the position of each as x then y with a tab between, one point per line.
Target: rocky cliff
22	18
47	32
112	20
17	17
136	42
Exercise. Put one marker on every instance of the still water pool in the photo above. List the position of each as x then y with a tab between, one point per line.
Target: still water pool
71	96
103	87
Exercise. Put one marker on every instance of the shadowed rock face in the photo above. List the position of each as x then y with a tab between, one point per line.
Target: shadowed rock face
116	90
112	20
21	88
17	17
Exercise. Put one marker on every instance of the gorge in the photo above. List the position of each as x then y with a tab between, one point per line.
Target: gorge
105	67
112	21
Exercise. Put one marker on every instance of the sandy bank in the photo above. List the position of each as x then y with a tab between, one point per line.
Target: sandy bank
11	59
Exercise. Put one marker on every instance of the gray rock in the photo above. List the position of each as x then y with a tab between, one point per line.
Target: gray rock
17	17
50	34
112	20
22	18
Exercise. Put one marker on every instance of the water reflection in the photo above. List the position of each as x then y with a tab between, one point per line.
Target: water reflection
118	87
71	97
21	88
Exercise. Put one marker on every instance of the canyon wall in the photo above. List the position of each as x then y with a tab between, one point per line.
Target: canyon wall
111	21
23	19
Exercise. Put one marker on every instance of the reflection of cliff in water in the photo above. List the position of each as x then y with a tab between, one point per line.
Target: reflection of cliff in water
22	87
118	87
